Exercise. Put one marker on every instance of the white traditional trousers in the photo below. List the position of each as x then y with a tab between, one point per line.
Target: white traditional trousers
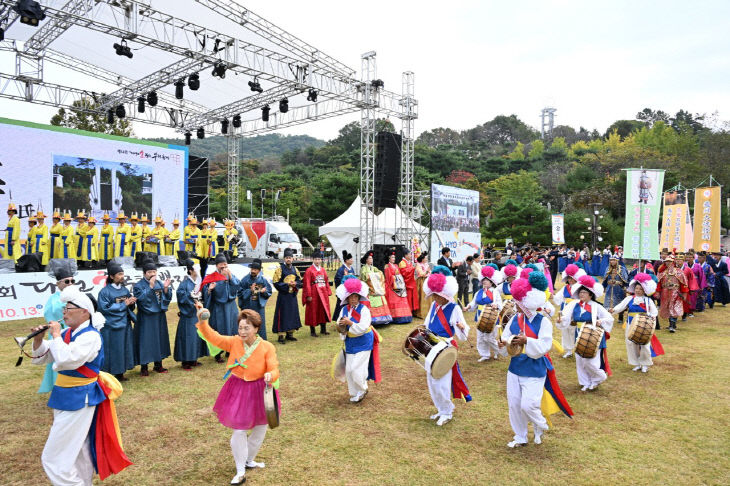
524	394
568	338
66	457
440	391
589	370
638	355
356	372
246	447
487	346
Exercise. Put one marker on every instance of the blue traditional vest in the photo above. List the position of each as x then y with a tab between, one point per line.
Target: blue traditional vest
523	365
482	299
505	289
77	397
567	296
359	343
580	316
434	324
634	308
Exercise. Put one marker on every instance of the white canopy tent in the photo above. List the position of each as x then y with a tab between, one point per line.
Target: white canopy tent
342	231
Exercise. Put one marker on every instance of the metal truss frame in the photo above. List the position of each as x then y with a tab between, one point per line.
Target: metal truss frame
367	156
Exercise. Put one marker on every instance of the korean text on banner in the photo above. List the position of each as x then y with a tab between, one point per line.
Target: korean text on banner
707	219
676	227
558	223
641	232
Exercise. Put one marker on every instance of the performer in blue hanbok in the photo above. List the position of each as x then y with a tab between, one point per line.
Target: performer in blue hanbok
188	345
286	315
345	269
53	311
487	296
116	304
709	291
219	297
254	293
722	292
615	281
151	338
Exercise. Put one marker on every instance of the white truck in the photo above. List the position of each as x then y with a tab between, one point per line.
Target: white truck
267	238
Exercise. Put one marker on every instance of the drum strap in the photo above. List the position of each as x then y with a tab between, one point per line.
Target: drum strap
442	319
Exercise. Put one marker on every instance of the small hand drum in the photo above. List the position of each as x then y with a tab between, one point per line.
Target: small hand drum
488	319
641	329
515	349
437	353
508	310
589	339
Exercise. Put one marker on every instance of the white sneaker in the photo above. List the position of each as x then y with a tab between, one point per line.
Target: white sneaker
636	368
568	354
593	387
514	444
644	369
434	416
254	464
239	479
585	388
538	438
482	359
443	419
355	399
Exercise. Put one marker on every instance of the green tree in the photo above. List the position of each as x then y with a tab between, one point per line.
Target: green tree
85	116
624	127
518	153
517	209
537	150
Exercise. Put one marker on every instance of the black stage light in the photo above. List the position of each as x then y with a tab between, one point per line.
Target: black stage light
265	113
312	95
284	105
188	136
194	81
30	12
200	133
110	116
219	69
152	98
224	126
237	121
120	111
255	86
179	85
122	49
377	83
140	104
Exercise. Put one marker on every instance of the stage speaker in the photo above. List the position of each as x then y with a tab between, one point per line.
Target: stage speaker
387	169
29	263
141	256
381	253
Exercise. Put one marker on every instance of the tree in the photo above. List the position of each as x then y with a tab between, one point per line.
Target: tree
650	117
502	130
517	209
440	136
624	127
85	116
518	153
537	150
685	118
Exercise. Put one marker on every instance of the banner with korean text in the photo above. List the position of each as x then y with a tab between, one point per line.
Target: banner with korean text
676	222
558	223
707	219
643	202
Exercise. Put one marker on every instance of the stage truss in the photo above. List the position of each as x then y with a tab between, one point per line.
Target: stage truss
287	65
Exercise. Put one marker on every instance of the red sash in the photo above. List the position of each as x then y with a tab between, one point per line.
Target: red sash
458	385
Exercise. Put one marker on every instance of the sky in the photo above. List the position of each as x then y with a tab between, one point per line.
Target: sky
595	62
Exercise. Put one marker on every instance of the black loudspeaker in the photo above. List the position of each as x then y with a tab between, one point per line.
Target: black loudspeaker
387	169
141	256
381	253
29	263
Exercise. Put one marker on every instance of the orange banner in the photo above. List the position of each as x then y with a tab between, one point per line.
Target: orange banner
707	219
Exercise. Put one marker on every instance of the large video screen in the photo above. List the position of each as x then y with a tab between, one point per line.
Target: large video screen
50	167
454	222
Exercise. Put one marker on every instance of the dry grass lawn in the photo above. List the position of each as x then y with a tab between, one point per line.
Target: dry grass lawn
670	426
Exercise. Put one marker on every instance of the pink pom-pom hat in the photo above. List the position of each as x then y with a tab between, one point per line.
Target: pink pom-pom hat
442	285
588	283
645	281
510	270
572	271
351	286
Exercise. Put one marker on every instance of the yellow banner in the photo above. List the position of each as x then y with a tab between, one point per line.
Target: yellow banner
707	219
674	222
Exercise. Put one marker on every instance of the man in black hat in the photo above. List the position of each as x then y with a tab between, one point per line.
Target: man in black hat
254	292
219	296
316	296
287	282
116	304
151	338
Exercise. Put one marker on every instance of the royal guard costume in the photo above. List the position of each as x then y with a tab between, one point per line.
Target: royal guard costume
135	236
40	243
80	235
672	289
172	239
106	240
31	234
615	280
122	237
117	334
446	321
203	247
191	234
685	262
54	244
89	243
359	359
563	297
287	281
146	234
533	392
221	301
151	337
189	346
67	249
157	236
408	270
316	297
230	236
396	293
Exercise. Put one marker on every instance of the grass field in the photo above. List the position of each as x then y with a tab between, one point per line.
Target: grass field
670	426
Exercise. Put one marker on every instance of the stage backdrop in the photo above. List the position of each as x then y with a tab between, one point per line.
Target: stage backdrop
57	167
676	222
643	201
454	222
707	219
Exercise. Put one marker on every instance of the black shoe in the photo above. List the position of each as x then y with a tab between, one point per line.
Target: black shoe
323	330
672	329
290	338
312	332
281	340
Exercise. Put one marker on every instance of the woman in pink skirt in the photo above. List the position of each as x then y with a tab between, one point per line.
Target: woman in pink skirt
252	365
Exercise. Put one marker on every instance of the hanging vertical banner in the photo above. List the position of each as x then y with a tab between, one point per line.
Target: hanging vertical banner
707	219
676	223
558	229
641	233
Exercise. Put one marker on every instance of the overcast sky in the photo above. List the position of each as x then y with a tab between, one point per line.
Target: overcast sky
595	62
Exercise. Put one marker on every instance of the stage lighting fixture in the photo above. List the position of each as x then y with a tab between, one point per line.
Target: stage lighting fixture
188	136
110	116
120	111
255	86
265	113
377	83
152	98
284	105
179	85
30	12
200	133
122	49
312	95
237	121
224	126
219	69
140	104
194	81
